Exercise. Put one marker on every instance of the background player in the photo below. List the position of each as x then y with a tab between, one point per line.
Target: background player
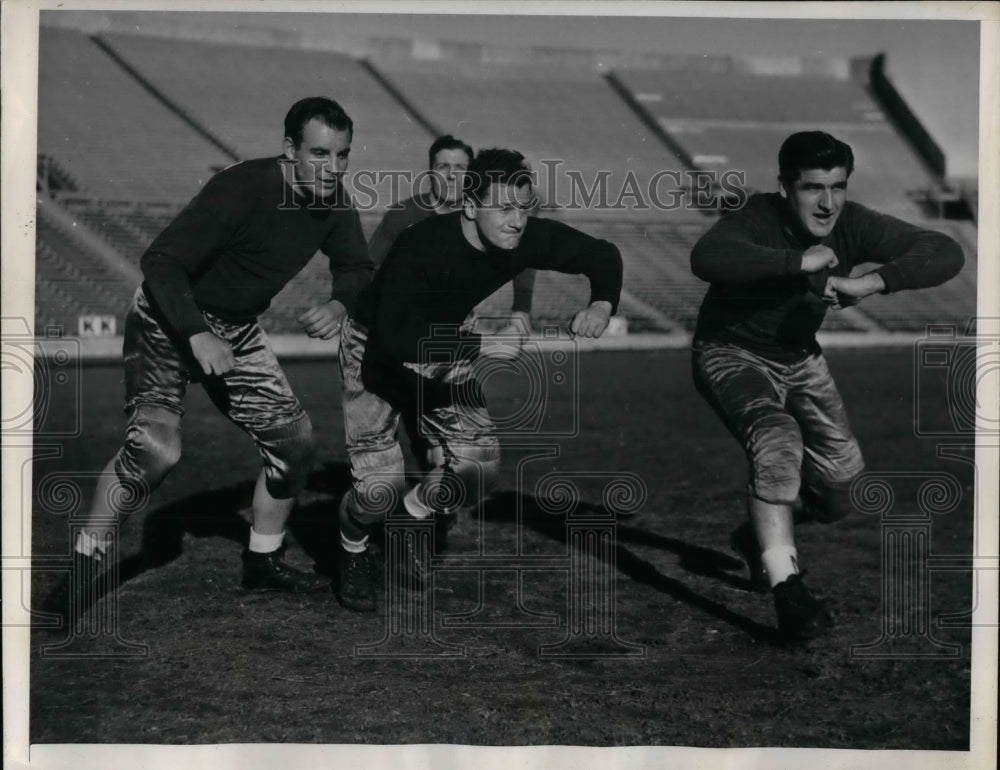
435	274
775	267
208	275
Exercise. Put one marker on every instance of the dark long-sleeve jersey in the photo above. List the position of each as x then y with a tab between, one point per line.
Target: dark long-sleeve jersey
241	239
433	277
761	300
417	209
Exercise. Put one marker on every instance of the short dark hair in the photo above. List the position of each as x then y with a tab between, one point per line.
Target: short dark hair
447	142
812	149
319	108
496	165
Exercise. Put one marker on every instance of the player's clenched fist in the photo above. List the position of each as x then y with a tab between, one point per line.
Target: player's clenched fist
213	354
817	258
592	321
323	321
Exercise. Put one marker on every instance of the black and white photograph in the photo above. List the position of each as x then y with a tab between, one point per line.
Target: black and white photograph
500	384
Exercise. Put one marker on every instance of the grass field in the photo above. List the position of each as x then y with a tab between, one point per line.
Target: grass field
222	665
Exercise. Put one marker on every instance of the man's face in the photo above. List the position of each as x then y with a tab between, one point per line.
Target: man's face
450	167
501	217
817	198
321	158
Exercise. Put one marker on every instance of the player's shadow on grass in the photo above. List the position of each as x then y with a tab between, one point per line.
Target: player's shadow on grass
693	558
225	513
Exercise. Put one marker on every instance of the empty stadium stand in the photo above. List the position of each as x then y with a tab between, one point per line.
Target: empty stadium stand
571	118
738	121
131	126
115	139
241	94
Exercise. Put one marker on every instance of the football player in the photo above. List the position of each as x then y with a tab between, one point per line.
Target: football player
776	266
207	277
436	272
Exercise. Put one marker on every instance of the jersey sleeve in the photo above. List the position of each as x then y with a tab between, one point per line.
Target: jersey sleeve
556	246
912	257
350	264
734	251
186	248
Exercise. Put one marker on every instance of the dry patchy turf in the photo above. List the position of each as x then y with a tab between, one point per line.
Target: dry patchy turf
222	665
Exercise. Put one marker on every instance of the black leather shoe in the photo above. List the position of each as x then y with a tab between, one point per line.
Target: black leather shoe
356	585
801	616
269	572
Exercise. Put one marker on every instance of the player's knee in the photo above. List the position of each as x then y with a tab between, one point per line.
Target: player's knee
152	445
475	468
288	452
776	458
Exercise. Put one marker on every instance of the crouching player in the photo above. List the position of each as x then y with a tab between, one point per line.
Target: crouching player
775	267
207	276
437	271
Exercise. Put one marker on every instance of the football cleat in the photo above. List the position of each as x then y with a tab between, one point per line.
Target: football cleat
356	583
744	542
801	616
270	572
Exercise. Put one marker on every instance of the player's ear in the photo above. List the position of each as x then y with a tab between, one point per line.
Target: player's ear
468	207
288	148
782	190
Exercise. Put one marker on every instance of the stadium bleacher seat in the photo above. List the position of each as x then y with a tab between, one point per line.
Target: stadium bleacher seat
109	133
570	117
123	163
247	112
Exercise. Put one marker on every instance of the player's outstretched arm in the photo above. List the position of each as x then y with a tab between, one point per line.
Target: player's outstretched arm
557	246
592	320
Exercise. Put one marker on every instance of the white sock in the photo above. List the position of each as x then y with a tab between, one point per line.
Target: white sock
91	544
780	562
416	507
265	543
353	546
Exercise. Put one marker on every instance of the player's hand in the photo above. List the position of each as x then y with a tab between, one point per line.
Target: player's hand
817	258
519	323
843	292
506	347
214	355
323	321
592	321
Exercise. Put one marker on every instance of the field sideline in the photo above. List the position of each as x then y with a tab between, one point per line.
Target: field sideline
224	666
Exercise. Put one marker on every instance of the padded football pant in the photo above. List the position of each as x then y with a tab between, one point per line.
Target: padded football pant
461	436
790	420
254	394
